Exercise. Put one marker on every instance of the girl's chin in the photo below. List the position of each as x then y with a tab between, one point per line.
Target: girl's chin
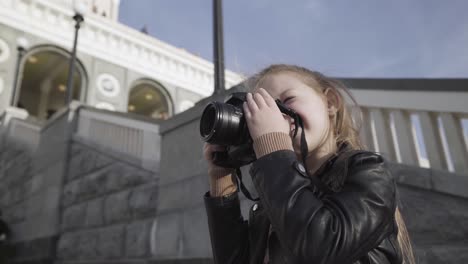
296	142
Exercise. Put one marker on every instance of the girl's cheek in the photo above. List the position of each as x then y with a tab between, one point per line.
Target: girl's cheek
318	124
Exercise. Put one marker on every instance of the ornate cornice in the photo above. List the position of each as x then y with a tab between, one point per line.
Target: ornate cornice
115	43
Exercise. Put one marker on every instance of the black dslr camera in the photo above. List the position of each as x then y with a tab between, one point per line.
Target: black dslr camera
224	124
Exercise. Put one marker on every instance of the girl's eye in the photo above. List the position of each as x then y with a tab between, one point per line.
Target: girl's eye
288	99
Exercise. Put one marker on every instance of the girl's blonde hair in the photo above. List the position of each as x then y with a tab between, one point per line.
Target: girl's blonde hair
346	123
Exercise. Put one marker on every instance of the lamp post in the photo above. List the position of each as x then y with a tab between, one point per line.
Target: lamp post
79	9
218	46
22	45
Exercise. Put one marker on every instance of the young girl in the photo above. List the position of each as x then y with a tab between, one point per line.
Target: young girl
336	204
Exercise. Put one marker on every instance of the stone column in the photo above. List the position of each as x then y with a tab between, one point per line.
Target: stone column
456	147
44	98
182	226
182	229
432	142
381	128
403	137
366	131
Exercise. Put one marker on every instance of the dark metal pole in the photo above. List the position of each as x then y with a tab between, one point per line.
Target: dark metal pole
21	51
69	95
218	46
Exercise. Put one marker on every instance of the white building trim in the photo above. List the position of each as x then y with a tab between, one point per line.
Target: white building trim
115	43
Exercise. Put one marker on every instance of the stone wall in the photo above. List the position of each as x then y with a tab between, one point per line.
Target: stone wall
437	223
108	205
28	190
69	199
17	183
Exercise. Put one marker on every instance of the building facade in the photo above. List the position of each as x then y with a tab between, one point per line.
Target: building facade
117	68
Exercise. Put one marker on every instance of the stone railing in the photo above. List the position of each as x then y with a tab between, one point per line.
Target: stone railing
416	122
25	132
133	135
14	124
114	43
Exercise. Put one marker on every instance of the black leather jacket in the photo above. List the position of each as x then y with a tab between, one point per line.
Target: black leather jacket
344	214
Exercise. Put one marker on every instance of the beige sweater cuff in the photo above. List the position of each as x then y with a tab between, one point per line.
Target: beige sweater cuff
221	183
272	142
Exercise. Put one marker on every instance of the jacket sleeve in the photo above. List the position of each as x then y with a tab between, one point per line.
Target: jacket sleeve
228	229
337	228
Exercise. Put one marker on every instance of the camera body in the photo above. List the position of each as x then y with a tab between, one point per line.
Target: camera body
224	124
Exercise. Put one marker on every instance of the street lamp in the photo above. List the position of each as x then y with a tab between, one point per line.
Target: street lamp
79	8
22	45
218	46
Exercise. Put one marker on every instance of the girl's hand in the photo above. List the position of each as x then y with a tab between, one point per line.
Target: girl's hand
213	170
263	115
221	182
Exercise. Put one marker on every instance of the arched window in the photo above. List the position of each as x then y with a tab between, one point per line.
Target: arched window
149	98
43	81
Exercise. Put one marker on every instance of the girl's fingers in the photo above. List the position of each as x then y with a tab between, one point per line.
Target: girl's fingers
247	112
217	148
210	147
207	152
267	97
258	97
252	105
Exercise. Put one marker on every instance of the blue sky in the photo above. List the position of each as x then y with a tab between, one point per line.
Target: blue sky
342	38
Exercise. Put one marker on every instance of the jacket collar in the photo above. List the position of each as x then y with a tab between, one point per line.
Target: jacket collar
334	170
331	160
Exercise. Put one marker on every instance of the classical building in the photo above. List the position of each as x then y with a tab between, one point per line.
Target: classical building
117	68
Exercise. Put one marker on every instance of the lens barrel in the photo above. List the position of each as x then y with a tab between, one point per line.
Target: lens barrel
223	124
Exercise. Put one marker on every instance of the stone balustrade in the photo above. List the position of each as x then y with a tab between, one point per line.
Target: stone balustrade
425	124
135	136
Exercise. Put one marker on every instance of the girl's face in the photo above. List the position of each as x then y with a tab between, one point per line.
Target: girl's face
310	105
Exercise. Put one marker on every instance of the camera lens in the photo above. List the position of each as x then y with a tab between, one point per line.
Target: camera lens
208	121
223	124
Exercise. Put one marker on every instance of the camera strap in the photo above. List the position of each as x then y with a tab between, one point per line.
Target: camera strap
241	186
304	148
298	122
